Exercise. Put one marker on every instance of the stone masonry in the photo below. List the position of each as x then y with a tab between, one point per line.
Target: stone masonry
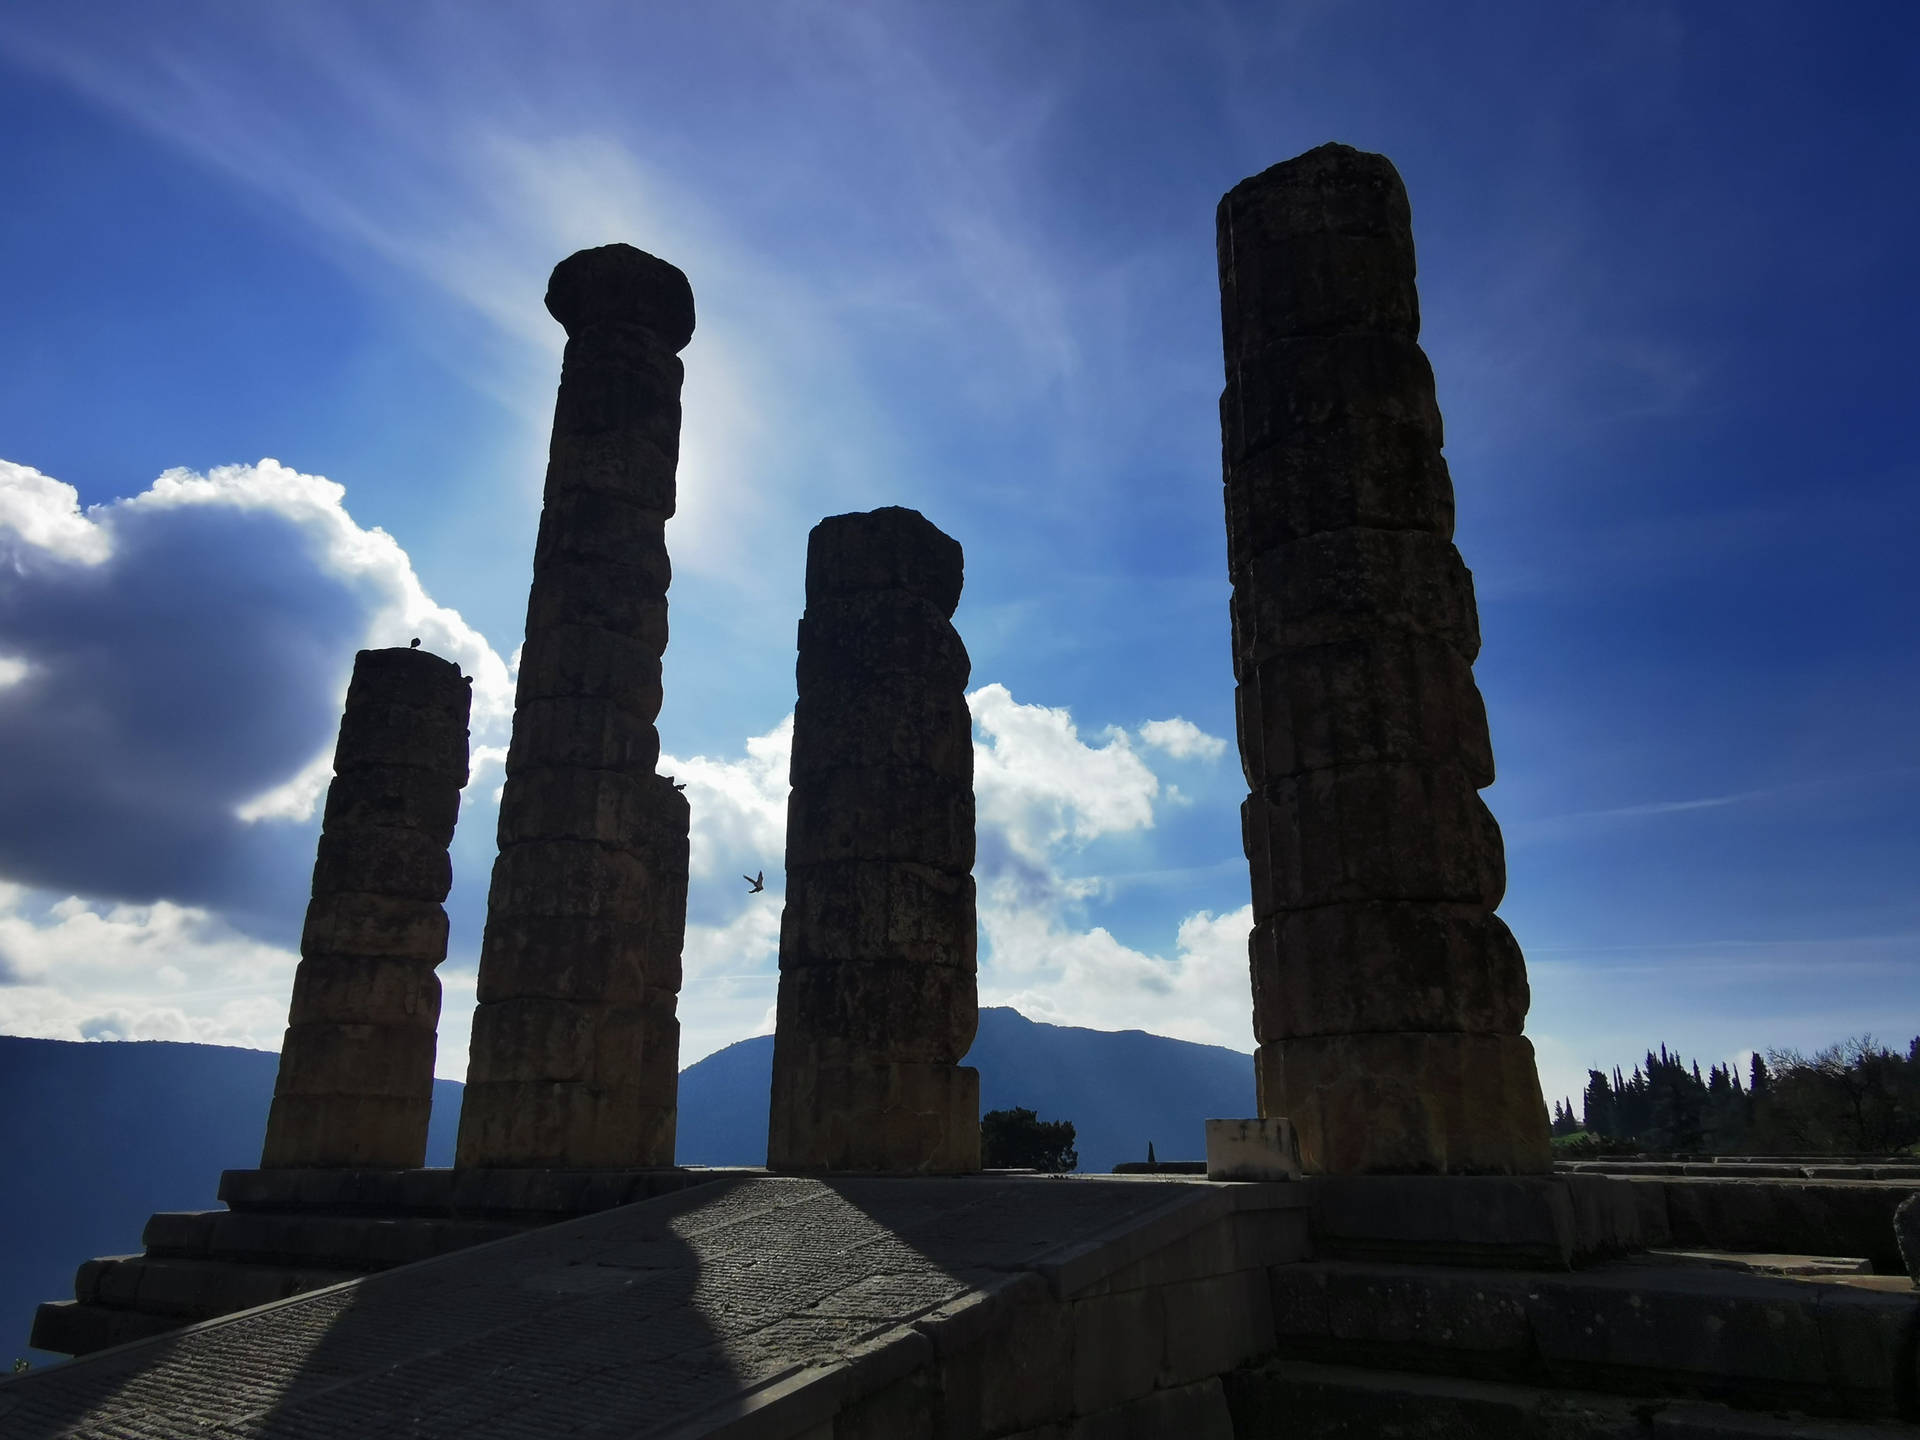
1388	998
575	1059
355	1086
877	1000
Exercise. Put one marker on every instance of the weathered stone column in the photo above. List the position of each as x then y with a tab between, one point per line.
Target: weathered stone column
1388	998
877	1000
355	1086
575	1058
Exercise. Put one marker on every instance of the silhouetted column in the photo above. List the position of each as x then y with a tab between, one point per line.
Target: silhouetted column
1388	998
877	1000
575	1058
355	1086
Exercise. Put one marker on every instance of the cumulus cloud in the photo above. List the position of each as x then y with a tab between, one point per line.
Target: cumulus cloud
177	663
1182	739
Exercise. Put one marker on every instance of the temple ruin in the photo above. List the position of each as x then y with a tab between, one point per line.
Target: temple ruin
877	1001
355	1086
1385	1292
576	1048
1388	998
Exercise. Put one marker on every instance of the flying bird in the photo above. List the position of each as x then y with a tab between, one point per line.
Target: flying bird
416	643
756	882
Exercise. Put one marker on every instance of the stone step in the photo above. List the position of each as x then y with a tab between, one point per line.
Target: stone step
1701	1332
194	1289
1296	1400
71	1327
346	1242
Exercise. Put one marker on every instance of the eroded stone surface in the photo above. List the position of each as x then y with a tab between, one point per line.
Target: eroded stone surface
575	1046
1388	1001
877	991
355	1085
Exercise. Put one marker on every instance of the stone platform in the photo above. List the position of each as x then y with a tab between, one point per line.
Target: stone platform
1048	1308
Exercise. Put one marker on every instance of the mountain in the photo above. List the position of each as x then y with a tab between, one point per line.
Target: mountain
1120	1089
98	1136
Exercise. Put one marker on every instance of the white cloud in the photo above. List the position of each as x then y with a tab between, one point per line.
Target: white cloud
1182	739
1044	788
80	970
45	513
739	807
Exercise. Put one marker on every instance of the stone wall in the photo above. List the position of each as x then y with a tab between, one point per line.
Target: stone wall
1388	998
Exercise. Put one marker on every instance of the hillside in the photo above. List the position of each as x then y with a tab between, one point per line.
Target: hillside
100	1136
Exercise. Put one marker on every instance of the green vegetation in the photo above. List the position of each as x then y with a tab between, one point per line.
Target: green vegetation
1020	1140
1858	1097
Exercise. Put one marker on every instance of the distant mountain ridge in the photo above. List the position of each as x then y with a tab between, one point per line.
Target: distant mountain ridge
100	1135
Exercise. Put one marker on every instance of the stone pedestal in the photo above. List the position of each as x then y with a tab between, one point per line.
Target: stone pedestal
1388	999
355	1086
877	999
575	1058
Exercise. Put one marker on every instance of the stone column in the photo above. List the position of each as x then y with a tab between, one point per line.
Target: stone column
575	1059
877	1001
355	1086
1388	998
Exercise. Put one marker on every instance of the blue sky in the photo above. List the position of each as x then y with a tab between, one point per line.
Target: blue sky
961	258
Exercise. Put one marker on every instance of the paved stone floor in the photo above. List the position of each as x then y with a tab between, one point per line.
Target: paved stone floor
629	1323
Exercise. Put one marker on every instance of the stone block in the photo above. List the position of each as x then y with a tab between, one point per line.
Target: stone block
1504	1222
886	549
573	878
1332	189
408	736
1408	1103
342	924
892	720
348	1131
1393	696
878	910
618	380
846	639
881	813
640	812
1352	585
1380	965
623	463
534	1039
1215	1324
1297	388
1021	1375
565	662
409	677
1193	1412
572	958
1252	1150
580	734
331	1058
533	1124
352	989
1119	1348
393	797
872	1116
1371	832
628	599
879	1010
1275	288
403	864
593	527
1352	475
619	285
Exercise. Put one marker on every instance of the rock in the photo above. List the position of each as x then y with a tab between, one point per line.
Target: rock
1906	1234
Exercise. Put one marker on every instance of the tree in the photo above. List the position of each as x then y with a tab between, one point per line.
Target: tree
1017	1139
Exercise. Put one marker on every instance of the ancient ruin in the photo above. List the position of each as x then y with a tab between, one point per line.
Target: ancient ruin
355	1086
1388	997
877	1000
575	1057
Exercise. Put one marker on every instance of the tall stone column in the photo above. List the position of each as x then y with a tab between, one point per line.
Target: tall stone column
877	999
575	1058
355	1087
1388	998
